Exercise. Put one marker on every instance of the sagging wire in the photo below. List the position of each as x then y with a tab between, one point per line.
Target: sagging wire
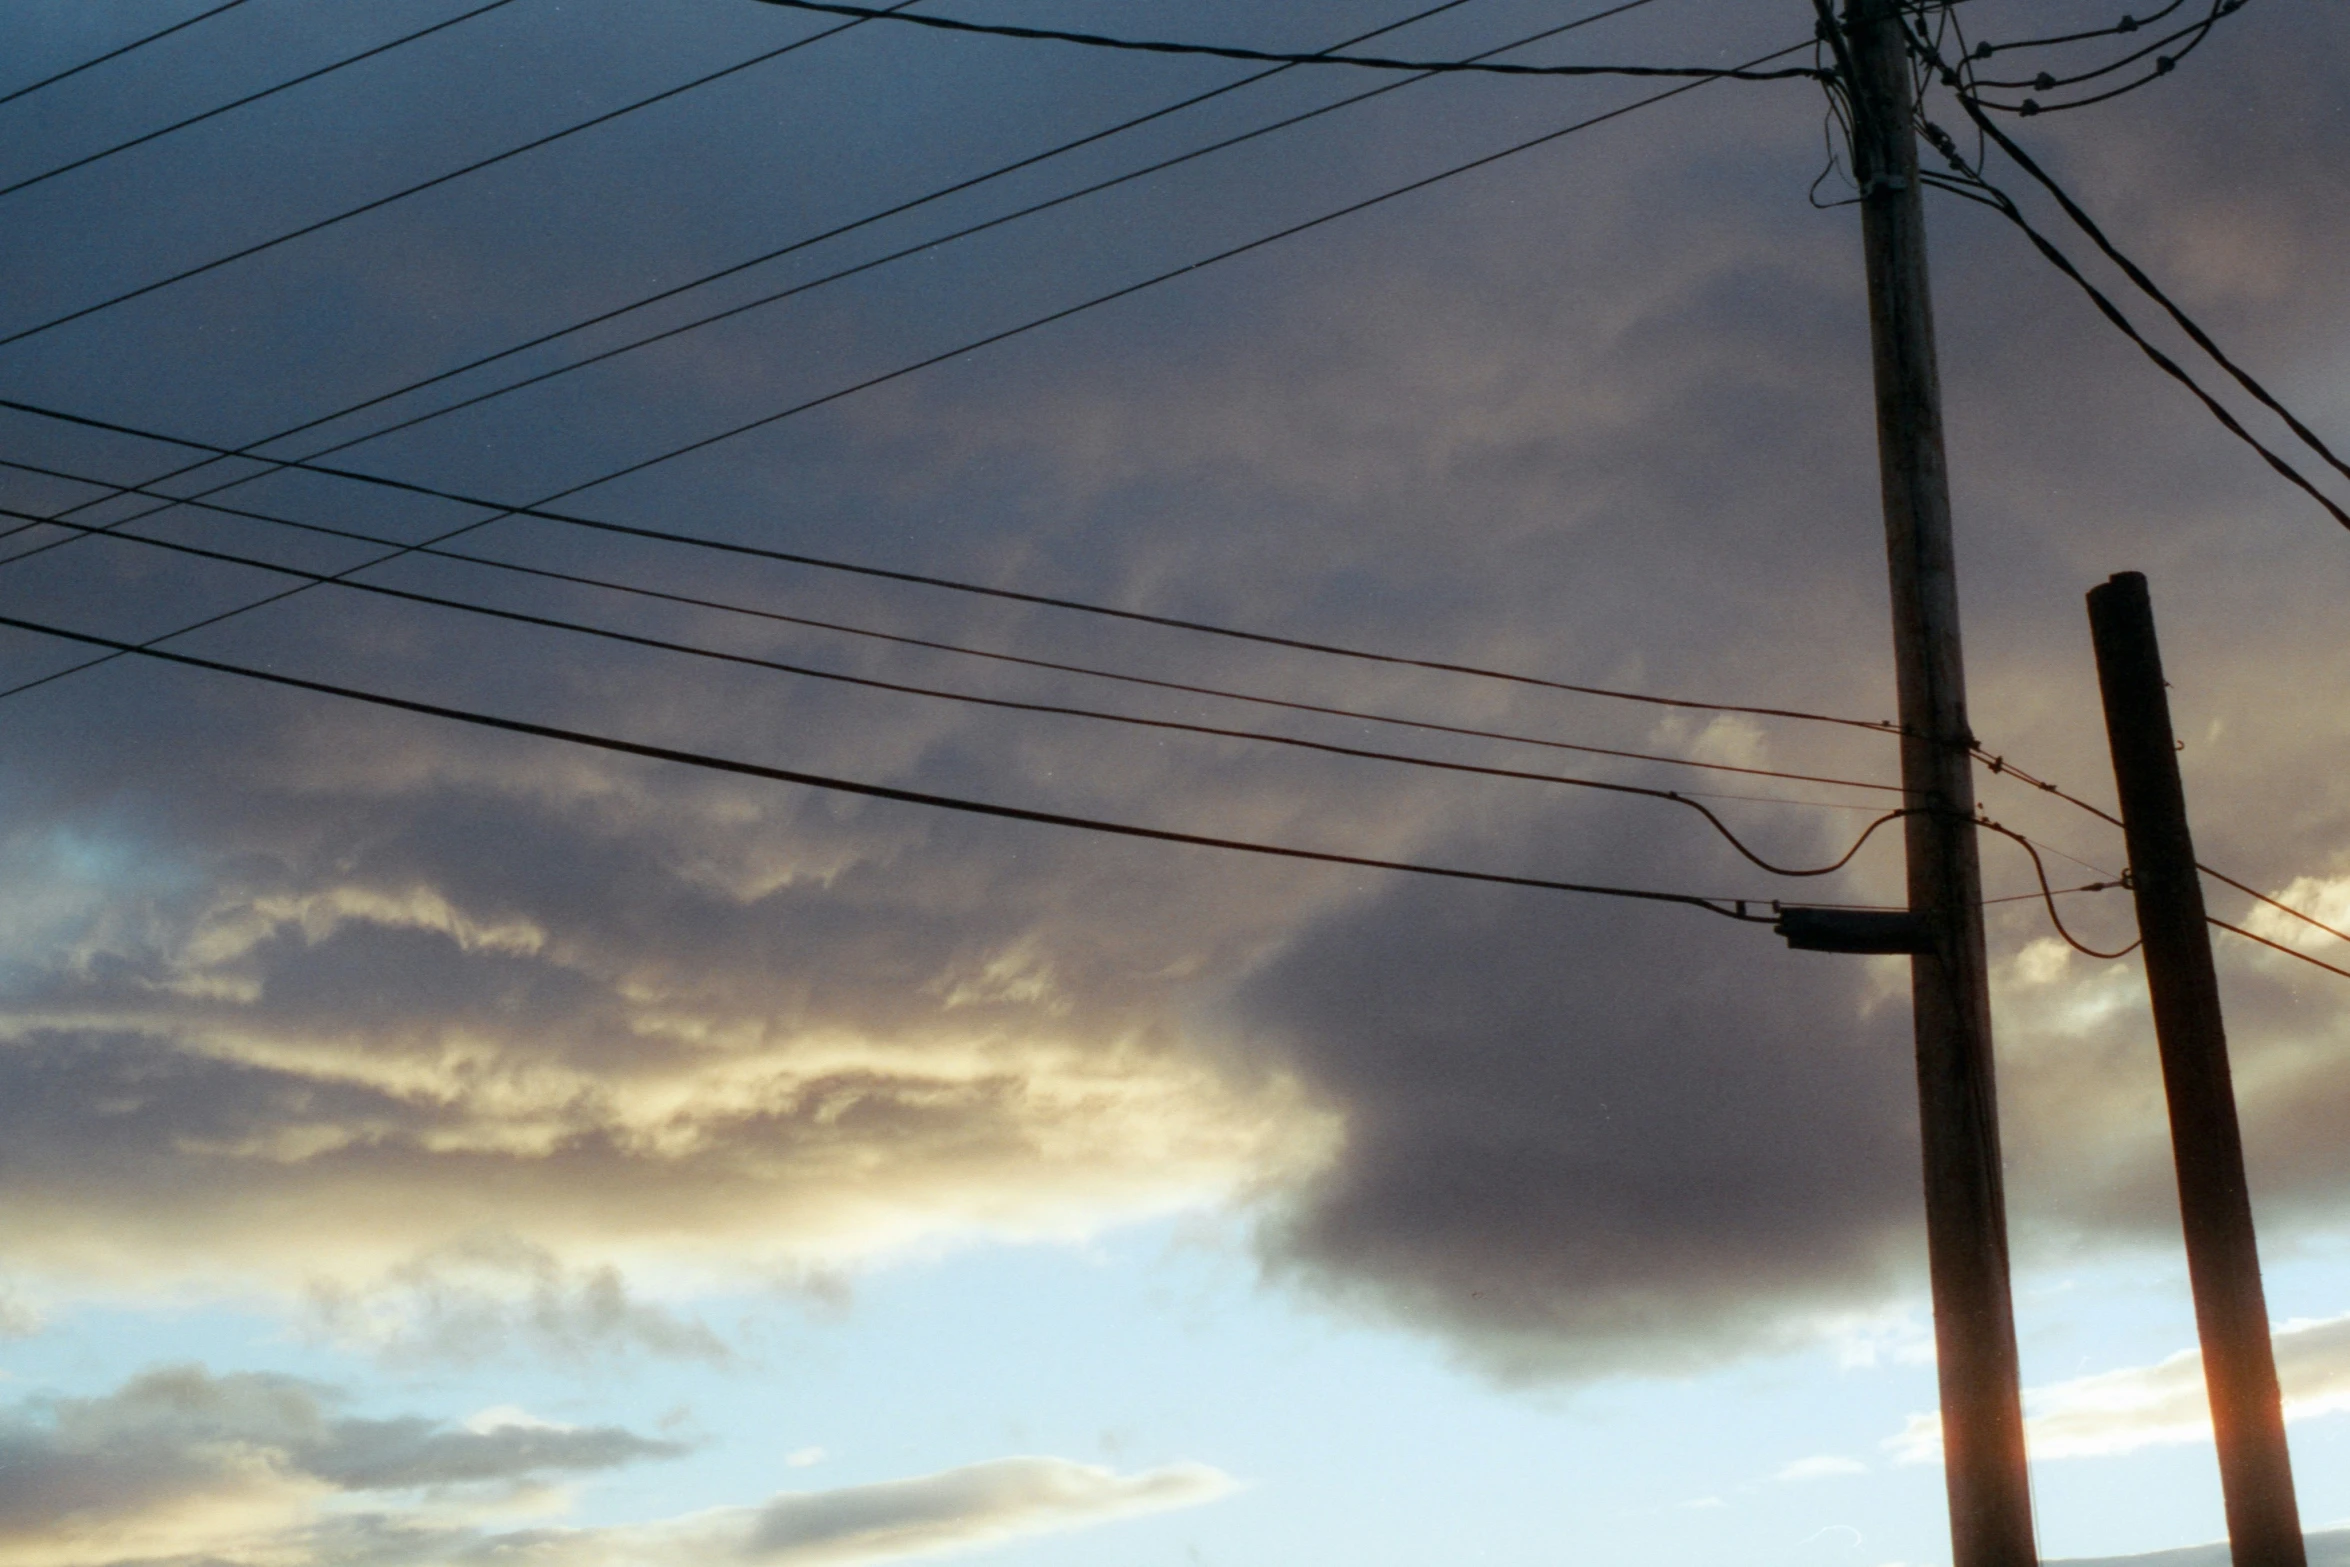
1726	908
1278	57
2002	766
2044	81
1969	184
2048	893
2128	24
1962	75
1829	61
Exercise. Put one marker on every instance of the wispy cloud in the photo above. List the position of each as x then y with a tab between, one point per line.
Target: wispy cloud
260	1471
180	1462
2123	1410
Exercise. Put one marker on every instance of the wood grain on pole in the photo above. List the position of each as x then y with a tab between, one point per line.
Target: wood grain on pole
2223	1263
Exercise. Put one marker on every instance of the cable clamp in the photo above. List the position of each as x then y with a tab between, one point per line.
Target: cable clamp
1893	183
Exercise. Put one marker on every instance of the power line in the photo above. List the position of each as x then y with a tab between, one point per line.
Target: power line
2000	764
2127	25
2061	892
1014	595
2048	896
2279	905
2278	946
1727	908
2153	290
2045	80
539	509
118	52
252	97
474	167
834	276
2000	201
918	247
250	447
2196	34
577	579
1052	709
1229	52
642	301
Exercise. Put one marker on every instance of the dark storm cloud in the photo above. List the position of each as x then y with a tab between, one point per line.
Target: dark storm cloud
1599	414
1592	1135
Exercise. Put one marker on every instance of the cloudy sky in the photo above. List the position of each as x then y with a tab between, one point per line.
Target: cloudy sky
424	1144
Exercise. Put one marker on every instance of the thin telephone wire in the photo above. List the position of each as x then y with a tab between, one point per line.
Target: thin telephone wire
2001	765
2279	946
1727	908
2152	290
288	84
1009	704
1371	62
577	579
474	167
538	509
118	52
921	248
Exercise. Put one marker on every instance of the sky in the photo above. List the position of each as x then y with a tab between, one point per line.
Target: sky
426	1144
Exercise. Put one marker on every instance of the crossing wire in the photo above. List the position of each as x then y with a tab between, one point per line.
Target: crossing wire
1727	908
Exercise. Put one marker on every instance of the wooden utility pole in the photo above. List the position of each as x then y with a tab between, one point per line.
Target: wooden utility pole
2223	1264
1966	1206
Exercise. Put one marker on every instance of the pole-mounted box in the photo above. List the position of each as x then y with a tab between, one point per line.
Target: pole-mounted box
1855	930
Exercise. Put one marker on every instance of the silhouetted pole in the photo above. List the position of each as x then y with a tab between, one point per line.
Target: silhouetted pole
1966	1206
2223	1264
